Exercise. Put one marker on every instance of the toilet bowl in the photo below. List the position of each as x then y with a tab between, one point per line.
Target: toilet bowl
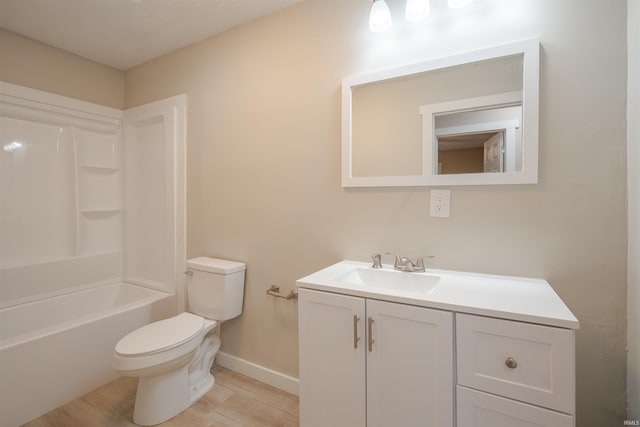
172	357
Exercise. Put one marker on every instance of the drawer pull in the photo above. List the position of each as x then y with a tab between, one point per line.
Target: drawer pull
356	338
511	363
370	334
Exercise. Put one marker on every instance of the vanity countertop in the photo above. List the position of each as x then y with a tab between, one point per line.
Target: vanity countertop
506	297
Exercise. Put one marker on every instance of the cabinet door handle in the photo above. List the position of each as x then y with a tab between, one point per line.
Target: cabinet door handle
511	363
370	323
356	338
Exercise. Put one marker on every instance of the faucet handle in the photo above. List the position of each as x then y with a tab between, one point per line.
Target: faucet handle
420	262
377	260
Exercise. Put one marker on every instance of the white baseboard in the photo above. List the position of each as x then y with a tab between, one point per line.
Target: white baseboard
257	372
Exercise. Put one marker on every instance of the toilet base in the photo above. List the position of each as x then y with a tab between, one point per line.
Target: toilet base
162	396
202	388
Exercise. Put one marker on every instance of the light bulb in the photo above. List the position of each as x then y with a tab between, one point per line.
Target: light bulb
380	17
416	10
455	4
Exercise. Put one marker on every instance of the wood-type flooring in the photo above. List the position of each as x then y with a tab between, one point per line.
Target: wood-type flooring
234	401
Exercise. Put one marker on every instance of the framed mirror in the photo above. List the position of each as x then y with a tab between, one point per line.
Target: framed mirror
465	119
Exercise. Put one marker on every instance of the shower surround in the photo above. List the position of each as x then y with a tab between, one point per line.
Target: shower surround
91	239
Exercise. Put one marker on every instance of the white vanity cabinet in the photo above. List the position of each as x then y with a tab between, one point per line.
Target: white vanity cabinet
372	363
380	348
533	366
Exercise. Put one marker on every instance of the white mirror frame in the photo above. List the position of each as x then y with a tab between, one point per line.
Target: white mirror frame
530	94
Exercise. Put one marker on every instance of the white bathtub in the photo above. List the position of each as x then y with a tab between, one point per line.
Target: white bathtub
56	349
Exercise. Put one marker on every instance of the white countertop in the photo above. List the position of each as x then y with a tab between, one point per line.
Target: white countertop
505	297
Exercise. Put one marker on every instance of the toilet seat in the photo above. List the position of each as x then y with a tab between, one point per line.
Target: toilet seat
160	336
159	345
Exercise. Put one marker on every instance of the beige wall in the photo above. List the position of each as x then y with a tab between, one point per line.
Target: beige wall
633	165
264	167
28	63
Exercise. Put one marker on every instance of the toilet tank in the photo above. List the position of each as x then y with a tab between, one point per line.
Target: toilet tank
215	289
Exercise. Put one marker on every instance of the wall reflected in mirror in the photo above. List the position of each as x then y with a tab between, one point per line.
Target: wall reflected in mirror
388	133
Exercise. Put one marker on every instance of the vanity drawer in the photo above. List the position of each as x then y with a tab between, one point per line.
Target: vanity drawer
522	361
478	409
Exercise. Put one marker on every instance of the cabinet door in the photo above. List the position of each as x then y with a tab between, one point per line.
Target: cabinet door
478	409
409	366
521	361
332	360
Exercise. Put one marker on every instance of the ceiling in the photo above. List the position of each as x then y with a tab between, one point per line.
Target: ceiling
126	33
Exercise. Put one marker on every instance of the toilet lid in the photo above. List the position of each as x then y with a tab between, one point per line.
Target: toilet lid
160	336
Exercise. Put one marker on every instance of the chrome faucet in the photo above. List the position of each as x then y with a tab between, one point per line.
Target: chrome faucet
405	264
401	263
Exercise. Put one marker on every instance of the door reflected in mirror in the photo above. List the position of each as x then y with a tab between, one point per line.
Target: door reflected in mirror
480	141
471	153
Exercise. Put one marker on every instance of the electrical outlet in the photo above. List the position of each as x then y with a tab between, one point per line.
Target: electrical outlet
440	203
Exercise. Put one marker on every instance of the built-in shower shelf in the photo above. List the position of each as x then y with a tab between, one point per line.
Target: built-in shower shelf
99	188
99	230
98	151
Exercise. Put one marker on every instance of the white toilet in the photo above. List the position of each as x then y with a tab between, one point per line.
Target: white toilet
172	357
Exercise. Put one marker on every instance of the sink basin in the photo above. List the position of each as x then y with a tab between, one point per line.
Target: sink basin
389	280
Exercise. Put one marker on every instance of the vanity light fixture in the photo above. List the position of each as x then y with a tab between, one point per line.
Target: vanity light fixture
415	10
380	17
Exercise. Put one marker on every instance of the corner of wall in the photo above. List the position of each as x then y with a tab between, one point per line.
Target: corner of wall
39	66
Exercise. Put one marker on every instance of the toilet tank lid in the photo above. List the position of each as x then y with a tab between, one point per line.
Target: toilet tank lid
215	265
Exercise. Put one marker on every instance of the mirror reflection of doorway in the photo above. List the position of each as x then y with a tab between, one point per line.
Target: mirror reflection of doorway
471	153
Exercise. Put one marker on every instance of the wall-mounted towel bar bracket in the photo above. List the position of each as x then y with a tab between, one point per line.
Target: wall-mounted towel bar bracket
274	291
